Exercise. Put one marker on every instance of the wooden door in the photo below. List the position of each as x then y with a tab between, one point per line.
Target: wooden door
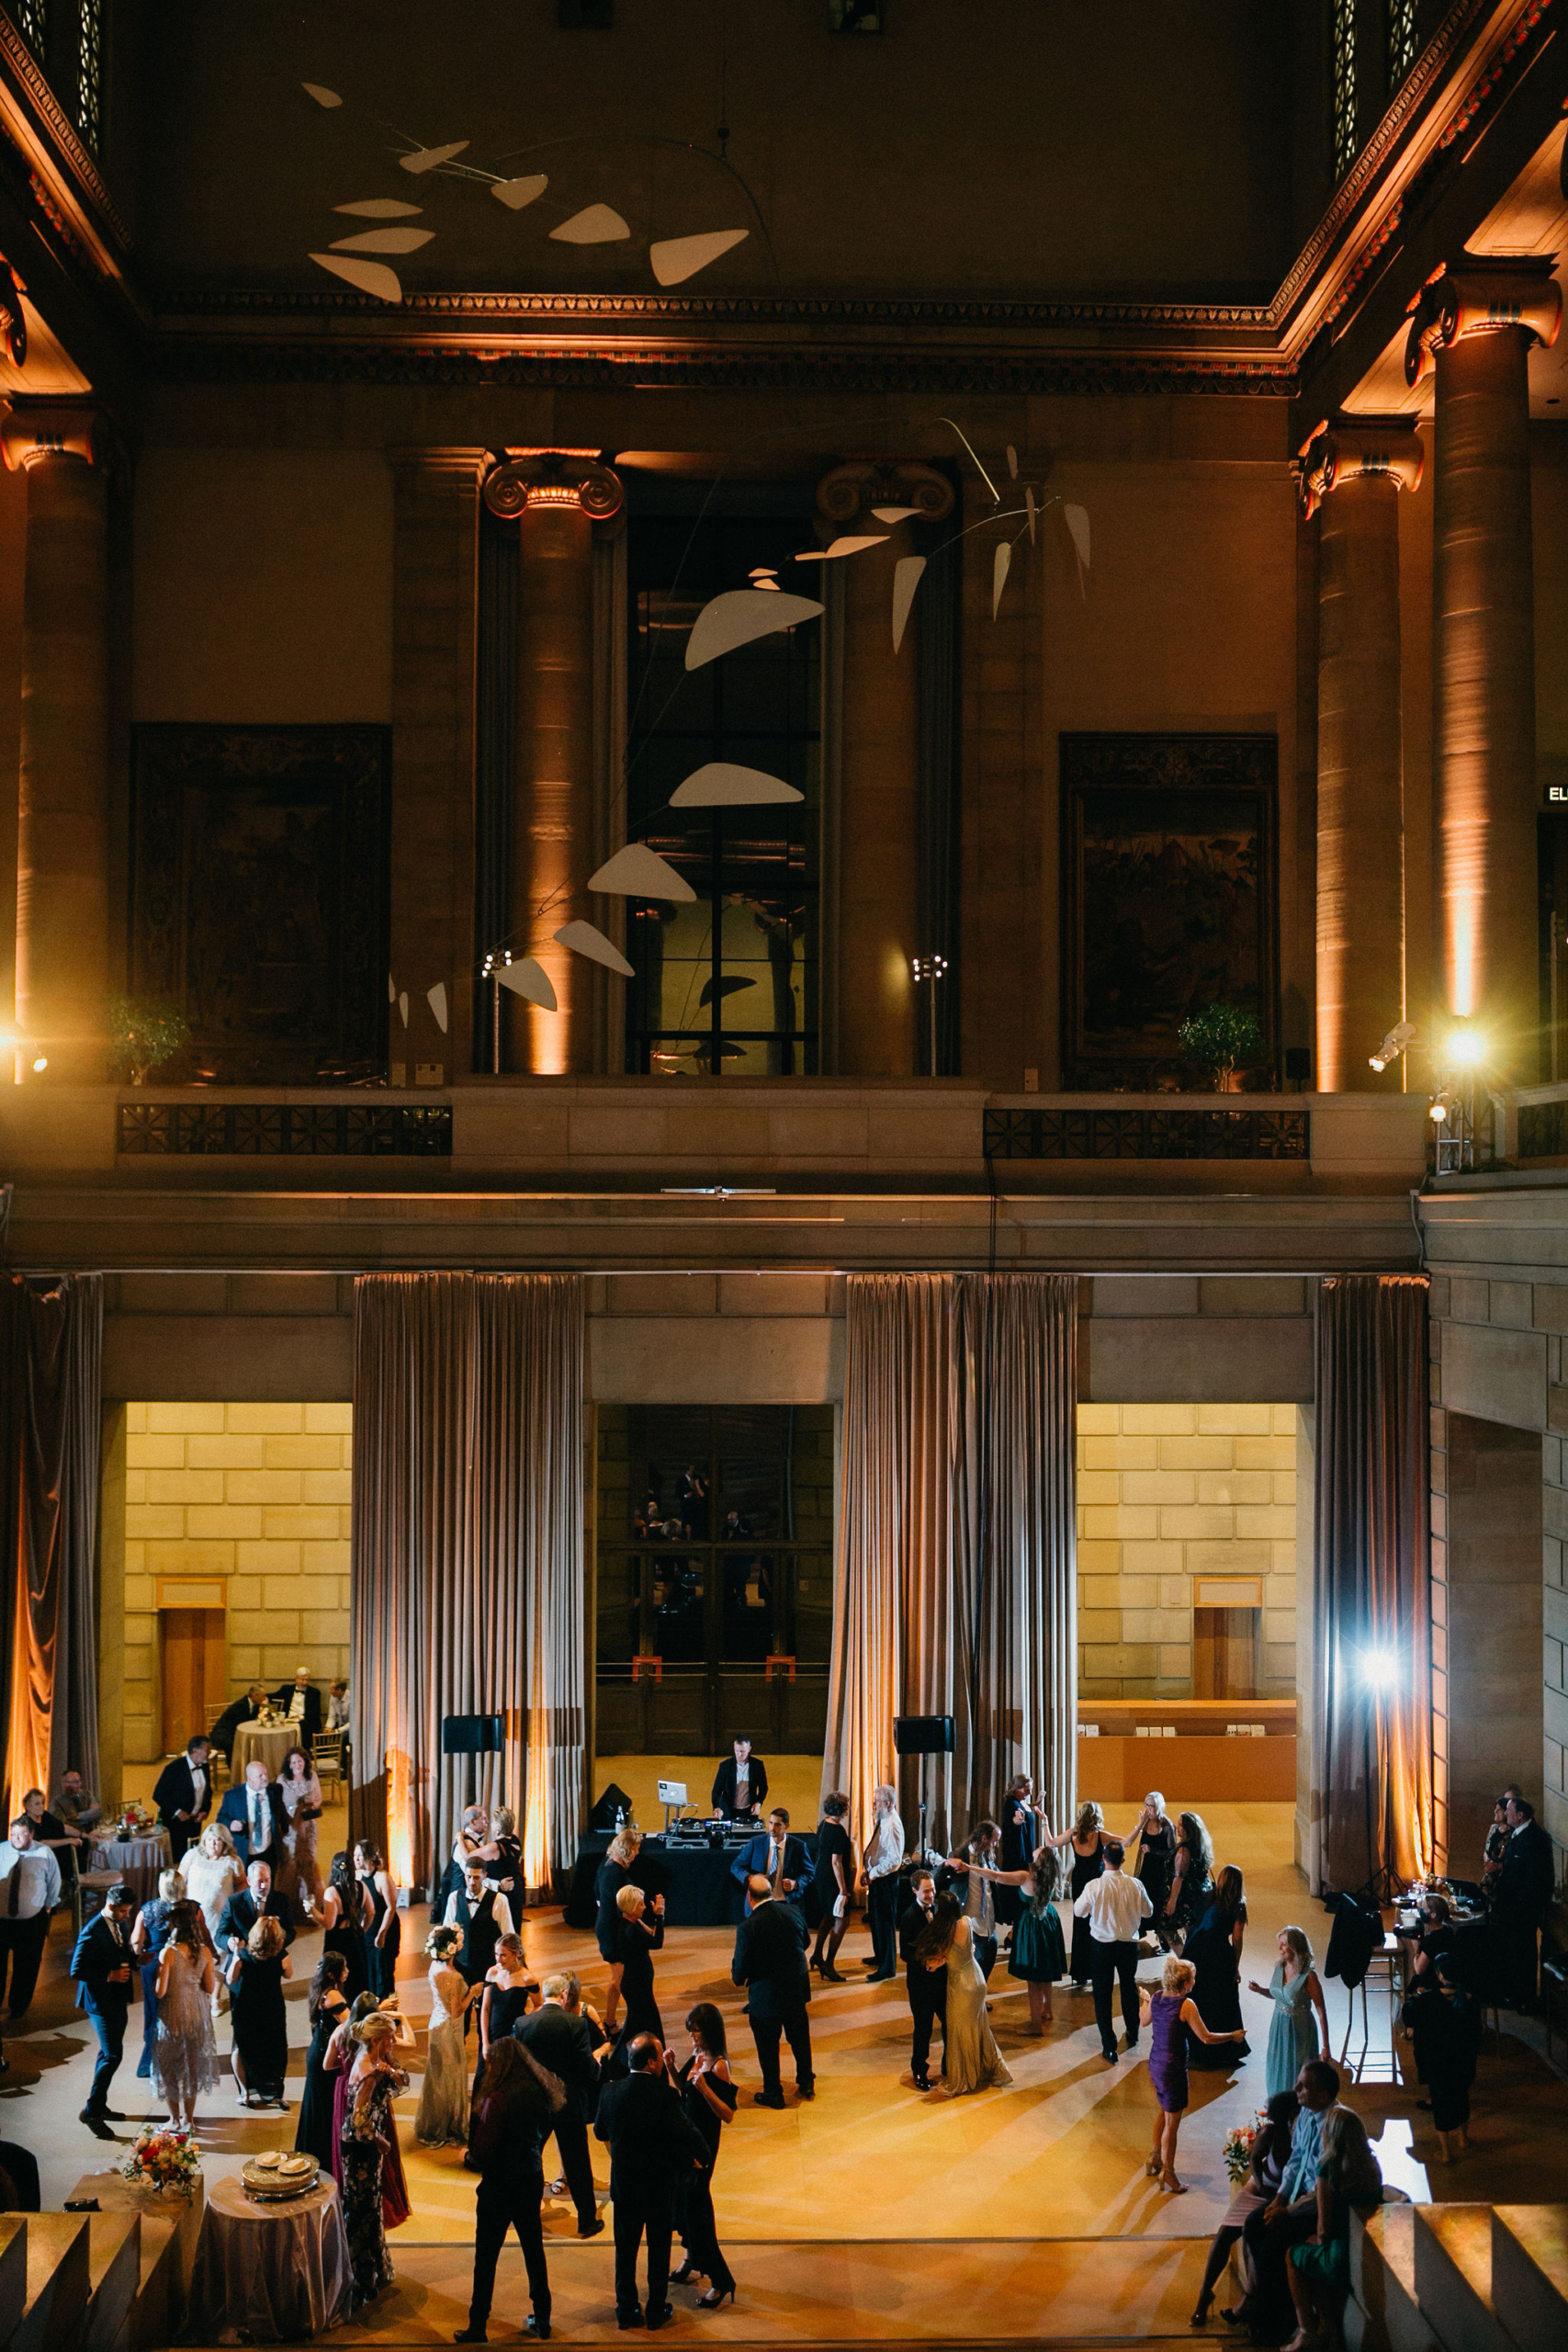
1224	1652
193	1657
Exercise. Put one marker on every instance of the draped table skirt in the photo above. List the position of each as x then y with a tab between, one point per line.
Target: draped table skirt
274	2272
696	1881
257	1745
137	1861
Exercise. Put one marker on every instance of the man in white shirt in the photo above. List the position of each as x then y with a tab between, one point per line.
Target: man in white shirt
1115	1907
30	1890
880	1866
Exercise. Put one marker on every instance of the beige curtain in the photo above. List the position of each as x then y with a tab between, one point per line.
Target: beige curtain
469	1590
1372	1734
955	1591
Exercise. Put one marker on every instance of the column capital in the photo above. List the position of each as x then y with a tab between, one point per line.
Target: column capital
571	478
1351	448
1482	294
36	427
860	484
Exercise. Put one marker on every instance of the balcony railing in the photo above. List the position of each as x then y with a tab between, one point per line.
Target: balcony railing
1149	1132
356	1130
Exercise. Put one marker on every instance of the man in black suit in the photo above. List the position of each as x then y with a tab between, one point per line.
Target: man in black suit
650	2144
1522	1895
561	2038
300	1703
257	1899
252	1814
740	1784
777	1857
926	1987
238	1711
769	1961
101	1970
184	1796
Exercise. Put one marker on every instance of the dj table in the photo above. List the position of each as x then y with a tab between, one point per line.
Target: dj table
694	1881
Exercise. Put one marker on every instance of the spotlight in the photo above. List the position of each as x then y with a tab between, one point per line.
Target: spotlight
1380	1670
1438	1110
40	1062
1465	1048
1403	1034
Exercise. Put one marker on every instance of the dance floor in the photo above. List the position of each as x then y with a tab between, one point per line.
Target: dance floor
876	2213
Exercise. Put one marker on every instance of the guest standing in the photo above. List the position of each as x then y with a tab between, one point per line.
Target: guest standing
1086	1838
827	1899
509	1992
1214	1948
569	2043
383	1930
926	1987
707	2102
260	2056
740	1784
1171	2014
1349	2181
148	1937
183	1795
367	2128
639	1941
346	1915
1295	1993
1020	1834
254	1816
210	1872
1156	1835
185	2056
1446	2019
650	2144
1114	1906
614	1871
971	2061
299	1792
1039	1954
1192	1882
1270	2154
769	1961
30	1889
484	1918
502	1855
512	2119
328	2008
257	1899
443	2114
100	1970
880	1865
776	1856
1520	1898
394	2187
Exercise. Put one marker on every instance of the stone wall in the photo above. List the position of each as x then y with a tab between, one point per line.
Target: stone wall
1166	1493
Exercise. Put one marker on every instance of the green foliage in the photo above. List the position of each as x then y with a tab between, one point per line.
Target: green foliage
1222	1037
144	1033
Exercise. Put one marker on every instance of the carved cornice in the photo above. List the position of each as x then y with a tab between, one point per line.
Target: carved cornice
1486	296
36	123
861	483
34	429
569	477
1354	449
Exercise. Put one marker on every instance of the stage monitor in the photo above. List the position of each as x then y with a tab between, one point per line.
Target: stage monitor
470	1735
673	1793
923	1735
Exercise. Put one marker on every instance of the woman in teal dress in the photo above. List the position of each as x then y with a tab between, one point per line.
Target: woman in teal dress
1039	1953
1295	1993
1349	2181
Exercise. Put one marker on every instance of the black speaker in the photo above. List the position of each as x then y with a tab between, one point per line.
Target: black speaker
923	1735
470	1735
1298	1064
614	1800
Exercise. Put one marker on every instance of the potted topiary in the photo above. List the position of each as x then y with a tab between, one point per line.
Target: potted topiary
1220	1039
143	1034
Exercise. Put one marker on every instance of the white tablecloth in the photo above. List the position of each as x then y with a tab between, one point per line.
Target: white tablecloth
273	2271
253	1744
137	1861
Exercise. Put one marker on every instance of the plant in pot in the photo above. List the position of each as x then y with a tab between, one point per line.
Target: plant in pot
144	1033
1219	1039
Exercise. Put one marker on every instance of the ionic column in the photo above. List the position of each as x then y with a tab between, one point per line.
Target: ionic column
62	832
879	863
1474	324
558	496
1351	474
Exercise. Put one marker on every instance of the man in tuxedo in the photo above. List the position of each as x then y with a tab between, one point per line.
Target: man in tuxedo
1521	1893
769	1961
484	1916
650	2144
926	1987
101	1970
252	1814
740	1784
184	1796
300	1703
563	2040
777	1857
238	1711
257	1899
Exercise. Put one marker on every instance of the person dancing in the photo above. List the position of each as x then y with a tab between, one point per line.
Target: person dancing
926	1987
1295	1992
1039	1955
829	1894
972	2061
1170	2014
1087	1839
614	1871
707	2102
639	1941
1214	1949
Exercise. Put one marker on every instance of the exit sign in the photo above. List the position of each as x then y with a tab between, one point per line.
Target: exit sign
1557	791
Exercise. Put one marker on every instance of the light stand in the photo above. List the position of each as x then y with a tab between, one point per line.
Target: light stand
928	971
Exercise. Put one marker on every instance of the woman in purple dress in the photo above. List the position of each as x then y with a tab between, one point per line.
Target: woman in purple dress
1169	2014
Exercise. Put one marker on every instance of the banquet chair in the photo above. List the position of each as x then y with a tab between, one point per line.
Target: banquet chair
89	1882
326	1757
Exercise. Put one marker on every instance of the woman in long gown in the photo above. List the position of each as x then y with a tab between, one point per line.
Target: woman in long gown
383	1930
1155	1834
300	1876
1019	1824
707	2101
639	1941
1295	1992
367	2135
971	2061
328	2008
1037	1956
1214	1949
256	1974
185	2056
508	1993
1192	1882
346	1912
1086	1838
211	1871
443	2114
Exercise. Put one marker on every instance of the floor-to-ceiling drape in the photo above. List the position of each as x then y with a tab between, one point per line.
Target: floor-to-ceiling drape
51	1411
955	1591
468	1594
1372	1736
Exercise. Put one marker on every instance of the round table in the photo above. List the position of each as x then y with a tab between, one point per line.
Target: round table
273	2271
137	1861
256	1744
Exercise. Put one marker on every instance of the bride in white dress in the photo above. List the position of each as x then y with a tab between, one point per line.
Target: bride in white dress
971	2061
442	2112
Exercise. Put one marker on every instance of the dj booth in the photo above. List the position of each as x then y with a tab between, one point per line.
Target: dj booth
694	1879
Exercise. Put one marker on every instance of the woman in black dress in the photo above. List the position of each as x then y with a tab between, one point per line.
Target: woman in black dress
1214	1949
502	1855
1156	1833
829	1895
260	2056
1446	2021
639	1941
511	1990
383	1930
614	1871
707	2101
345	1912
1192	1886
327	2011
1020	1834
1086	1838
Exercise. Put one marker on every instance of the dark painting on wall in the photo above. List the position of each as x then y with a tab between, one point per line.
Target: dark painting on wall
259	897
1168	898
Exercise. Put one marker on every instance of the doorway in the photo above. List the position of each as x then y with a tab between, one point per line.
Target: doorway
192	1657
1224	1652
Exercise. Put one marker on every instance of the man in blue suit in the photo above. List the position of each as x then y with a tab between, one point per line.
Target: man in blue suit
101	1970
252	1814
777	1857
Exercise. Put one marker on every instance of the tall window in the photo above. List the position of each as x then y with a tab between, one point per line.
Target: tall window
90	75
1404	39
728	985
1346	143
32	23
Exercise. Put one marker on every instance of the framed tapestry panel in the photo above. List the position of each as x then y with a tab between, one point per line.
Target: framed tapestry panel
259	893
1169	899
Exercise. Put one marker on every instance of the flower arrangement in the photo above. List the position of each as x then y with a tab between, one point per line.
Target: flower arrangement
165	2156
132	1820
1240	2141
